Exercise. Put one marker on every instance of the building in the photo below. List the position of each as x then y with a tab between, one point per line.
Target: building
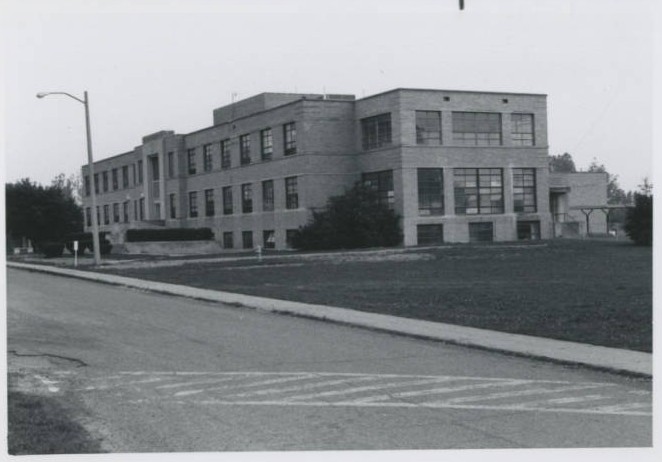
457	166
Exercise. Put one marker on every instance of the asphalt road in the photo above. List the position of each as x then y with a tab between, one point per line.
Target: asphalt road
149	373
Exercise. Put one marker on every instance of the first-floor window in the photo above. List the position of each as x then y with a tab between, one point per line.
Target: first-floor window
289	237
382	184
227	200
528	230
291	193
142	208
209	202
173	205
430	234
116	212
88	216
430	191
125	211
268	195
247	239
247	198
193	204
87	185
269	239
228	241
98	215
524	190
106	214
481	232
478	191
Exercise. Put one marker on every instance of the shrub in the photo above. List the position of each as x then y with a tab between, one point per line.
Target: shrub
52	249
84	241
169	234
639	220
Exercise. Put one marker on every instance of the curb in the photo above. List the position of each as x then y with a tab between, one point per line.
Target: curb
604	358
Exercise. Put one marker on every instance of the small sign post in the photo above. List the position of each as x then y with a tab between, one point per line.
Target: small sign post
75	253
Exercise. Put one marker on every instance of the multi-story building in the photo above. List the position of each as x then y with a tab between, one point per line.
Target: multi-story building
457	166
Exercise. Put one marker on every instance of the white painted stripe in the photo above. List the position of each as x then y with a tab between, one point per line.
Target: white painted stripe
515	394
569	400
198	382
622	407
254	384
308	386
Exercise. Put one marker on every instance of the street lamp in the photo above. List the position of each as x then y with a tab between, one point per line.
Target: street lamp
90	163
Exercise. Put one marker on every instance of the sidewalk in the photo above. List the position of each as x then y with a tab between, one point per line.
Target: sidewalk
612	359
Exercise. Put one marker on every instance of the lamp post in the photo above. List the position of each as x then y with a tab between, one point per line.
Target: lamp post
90	163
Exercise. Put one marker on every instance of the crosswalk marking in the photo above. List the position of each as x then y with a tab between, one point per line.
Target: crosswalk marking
309	386
255	384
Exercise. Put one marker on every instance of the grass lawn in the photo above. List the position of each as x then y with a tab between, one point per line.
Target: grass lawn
597	292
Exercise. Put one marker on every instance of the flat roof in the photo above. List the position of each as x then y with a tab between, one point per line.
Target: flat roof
437	90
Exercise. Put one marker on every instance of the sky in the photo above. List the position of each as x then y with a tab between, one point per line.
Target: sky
152	65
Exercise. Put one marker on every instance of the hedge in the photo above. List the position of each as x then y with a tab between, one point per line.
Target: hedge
169	234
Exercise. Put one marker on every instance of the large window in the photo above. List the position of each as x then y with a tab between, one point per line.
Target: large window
228	241
269	239
478	191
193	204
268	196
209	202
430	191
428	127
104	176
521	128
245	149
291	193
481	232
266	144
106	214
125	176
88	216
173	205
226	159
430	234
116	212
247	239
227	200
524	190
382	184
247	198
290	138
376	131
125	211
116	181
191	161
477	128
207	160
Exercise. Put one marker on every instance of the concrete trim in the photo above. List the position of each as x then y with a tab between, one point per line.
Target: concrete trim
612	359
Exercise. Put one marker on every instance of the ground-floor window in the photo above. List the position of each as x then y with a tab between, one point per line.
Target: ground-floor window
481	232
228	241
247	239
116	212
430	234
528	230
269	239
125	211
289	237
88	217
106	214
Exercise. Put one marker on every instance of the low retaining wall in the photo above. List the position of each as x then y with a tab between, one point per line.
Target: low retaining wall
168	248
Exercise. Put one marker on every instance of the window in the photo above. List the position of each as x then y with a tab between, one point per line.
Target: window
88	216
209	202
140	172
247	239
191	161
290	138
133	173
116	212
104	176
142	208
266	144
376	131
478	191
173	205
291	193
428	127
135	210
227	200
171	165
207	160
193	204
228	241
430	191
268	196
125	210
247	198
245	149
96	183
116	181
125	176
289	237
98	215
481	232
477	128
524	190
269	239
106	214
521	129
382	184
87	185
528	230
226	159
430	234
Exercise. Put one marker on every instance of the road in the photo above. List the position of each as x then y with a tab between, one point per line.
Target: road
150	372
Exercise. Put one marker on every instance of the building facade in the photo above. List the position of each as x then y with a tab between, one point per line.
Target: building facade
457	166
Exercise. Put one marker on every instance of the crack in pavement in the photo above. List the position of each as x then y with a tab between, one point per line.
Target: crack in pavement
80	362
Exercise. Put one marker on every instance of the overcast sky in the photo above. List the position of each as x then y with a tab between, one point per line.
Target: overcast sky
154	65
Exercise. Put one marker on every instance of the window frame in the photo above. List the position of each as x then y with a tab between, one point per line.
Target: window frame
424	136
289	138
209	203
291	193
247	198
266	144
519	136
228	205
474	180
376	131
525	184
207	158
191	165
268	196
245	149
427	192
226	154
475	128
381	182
193	204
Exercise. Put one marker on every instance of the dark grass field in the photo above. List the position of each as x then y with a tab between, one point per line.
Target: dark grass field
597	291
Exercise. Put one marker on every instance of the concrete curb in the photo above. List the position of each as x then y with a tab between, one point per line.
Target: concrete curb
612	359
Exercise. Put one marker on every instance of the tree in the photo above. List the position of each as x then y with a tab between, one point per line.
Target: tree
41	214
562	164
353	220
71	186
615	195
639	220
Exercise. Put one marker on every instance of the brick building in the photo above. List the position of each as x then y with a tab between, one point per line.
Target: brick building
457	166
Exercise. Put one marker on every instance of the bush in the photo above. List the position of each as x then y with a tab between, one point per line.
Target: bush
105	247
52	249
354	220
85	241
639	220
169	234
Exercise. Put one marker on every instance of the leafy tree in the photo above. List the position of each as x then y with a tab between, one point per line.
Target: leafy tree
562	163
615	195
353	220
41	214
639	221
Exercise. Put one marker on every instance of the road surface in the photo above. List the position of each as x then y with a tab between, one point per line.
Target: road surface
149	372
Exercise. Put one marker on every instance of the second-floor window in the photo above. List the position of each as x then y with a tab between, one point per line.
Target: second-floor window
227	200
245	149
247	198
376	131
291	193
125	176
521	128
428	127
477	128
87	185
104	177
267	144
191	161
96	183
226	158
116	212
209	202
207	160
140	172
116	182
268	195
171	165
193	204
290	138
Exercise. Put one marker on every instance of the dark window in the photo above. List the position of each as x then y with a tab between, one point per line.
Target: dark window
291	193
478	191
135	210
289	237
428	127
193	204
125	176
430	234
140	171
266	144
209	202
228	241
171	165
430	191
226	159
125	211
268	196
382	184
88	216
116	182
376	131
528	230
247	239
191	161
524	190
290	138
96	183
173	205
521	129
245	149
207	160
98	215
142	208
477	128
106	214
133	173
227	200
87	185
481	232
104	176
116	212
247	198
269	239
